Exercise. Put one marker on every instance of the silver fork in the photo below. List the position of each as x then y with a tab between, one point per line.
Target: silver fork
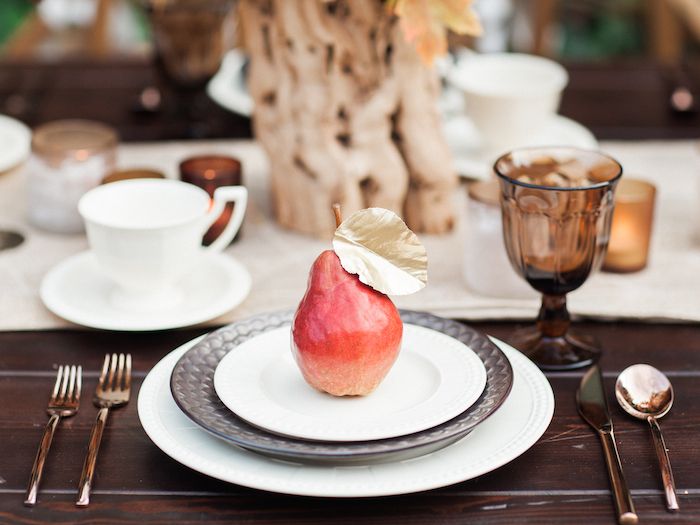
112	391
64	402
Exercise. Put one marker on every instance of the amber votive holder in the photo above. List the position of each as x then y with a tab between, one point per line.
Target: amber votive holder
210	172
630	235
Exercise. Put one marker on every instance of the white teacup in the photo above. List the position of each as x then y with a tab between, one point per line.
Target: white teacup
510	97
147	234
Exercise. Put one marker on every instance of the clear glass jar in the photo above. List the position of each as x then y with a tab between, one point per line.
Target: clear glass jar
69	157
486	267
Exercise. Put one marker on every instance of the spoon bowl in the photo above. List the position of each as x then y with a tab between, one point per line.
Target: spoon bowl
644	391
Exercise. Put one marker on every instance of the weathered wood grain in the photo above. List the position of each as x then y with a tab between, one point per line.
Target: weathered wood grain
560	479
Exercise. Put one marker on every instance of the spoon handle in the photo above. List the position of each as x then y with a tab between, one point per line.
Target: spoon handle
665	464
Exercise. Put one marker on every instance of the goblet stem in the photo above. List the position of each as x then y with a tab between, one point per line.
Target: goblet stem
551	346
553	319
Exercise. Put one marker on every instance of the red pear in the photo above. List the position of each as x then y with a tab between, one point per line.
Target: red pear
345	335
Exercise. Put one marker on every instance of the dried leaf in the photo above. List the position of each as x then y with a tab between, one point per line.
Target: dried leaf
377	246
425	22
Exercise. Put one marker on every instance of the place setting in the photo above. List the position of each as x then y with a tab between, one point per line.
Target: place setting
303	394
346	396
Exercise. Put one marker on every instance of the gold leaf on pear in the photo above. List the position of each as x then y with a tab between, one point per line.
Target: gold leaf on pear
377	246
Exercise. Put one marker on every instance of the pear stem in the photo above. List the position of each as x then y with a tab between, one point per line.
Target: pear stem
338	215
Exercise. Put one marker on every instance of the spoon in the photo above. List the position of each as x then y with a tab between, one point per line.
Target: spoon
646	393
10	239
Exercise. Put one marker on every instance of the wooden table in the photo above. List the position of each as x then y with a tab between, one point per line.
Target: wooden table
561	479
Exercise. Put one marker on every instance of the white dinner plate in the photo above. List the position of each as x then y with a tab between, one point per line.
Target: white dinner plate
77	290
512	430
15	142
434	379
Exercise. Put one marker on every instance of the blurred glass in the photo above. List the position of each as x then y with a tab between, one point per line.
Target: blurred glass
190	37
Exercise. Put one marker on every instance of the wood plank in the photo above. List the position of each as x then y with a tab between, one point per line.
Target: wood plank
672	347
432	508
568	455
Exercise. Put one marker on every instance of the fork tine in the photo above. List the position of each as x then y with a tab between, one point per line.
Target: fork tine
71	384
64	383
120	373
127	378
103	374
112	369
79	385
59	375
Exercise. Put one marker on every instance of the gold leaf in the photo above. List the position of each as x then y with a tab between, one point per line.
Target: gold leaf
377	246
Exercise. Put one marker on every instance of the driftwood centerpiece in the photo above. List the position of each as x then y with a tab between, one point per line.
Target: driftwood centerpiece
347	112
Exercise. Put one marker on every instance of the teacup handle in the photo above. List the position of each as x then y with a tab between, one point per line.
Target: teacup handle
239	196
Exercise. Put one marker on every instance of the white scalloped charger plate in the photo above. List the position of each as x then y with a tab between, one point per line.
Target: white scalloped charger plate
434	379
77	290
508	433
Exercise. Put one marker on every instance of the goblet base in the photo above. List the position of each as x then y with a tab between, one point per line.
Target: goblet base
566	352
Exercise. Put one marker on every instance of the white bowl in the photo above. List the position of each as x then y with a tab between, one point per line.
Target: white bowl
509	96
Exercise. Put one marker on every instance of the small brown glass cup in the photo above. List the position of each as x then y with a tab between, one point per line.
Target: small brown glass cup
557	205
210	172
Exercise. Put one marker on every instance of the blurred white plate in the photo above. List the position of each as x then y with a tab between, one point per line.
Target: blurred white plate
228	87
434	379
15	142
474	161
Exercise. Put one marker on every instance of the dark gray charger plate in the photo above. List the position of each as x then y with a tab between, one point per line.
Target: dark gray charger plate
192	386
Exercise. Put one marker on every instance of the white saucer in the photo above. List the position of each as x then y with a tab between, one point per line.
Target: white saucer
15	142
78	291
228	86
434	379
474	161
512	430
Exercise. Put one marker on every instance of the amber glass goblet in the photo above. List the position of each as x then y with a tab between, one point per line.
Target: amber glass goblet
557	205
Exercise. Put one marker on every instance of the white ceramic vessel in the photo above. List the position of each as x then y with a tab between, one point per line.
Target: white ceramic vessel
509	96
147	235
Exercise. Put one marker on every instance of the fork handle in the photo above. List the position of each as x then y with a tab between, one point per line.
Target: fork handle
41	454
86	477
